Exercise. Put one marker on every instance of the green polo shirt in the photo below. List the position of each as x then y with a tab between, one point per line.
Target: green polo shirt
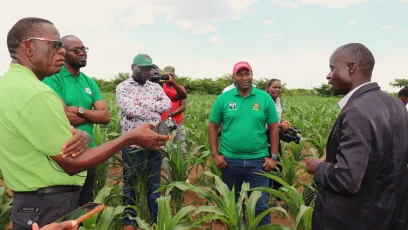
243	122
33	127
76	91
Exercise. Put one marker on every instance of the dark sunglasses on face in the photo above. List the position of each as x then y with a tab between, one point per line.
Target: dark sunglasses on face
57	44
145	68
76	50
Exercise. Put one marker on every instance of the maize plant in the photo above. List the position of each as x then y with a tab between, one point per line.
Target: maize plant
179	221
180	165
288	169
5	209
111	217
292	199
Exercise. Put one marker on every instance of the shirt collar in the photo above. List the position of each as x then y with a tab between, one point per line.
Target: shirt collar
236	93
21	68
133	82
64	72
346	98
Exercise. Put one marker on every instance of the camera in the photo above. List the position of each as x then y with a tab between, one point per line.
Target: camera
156	77
292	134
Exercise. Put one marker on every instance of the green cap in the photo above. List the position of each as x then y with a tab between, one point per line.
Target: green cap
170	69
143	60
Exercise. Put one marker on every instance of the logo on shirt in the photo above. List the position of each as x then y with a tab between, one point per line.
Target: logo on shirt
88	91
232	105
255	106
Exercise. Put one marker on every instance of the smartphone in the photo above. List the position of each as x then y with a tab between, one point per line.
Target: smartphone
82	213
165	127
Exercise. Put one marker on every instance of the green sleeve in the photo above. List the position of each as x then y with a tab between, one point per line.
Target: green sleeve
44	124
271	112
54	84
216	112
97	95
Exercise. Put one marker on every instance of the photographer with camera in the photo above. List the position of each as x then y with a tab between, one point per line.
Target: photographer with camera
178	98
274	89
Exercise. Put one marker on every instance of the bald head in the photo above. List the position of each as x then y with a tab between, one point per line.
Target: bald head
24	29
360	55
69	39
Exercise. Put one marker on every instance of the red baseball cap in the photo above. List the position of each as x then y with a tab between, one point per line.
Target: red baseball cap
240	65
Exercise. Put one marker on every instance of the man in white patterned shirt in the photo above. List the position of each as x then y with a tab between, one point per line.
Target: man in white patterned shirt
141	101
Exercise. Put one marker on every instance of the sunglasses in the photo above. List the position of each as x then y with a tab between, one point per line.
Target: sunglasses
57	44
145	68
76	50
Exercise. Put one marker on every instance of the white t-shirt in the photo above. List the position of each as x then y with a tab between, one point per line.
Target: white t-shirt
279	108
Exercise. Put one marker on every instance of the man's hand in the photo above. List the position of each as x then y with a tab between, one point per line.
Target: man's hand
66	225
220	161
77	145
311	164
285	125
72	109
145	137
269	164
171	115
170	81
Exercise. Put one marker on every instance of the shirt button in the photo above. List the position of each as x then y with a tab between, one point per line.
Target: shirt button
30	222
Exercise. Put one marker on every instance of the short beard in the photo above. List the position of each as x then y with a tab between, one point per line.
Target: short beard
77	65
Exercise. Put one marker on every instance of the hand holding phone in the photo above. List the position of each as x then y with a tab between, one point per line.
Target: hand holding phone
82	213
165	127
66	225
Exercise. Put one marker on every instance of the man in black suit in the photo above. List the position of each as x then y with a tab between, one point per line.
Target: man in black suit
363	183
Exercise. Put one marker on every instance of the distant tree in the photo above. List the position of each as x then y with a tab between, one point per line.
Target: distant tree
399	83
110	86
324	90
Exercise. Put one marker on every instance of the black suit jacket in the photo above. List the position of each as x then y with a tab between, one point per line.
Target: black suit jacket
363	183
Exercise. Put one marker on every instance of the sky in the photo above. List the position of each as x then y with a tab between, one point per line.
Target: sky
291	40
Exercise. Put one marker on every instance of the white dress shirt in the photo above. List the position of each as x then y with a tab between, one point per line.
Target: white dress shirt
345	99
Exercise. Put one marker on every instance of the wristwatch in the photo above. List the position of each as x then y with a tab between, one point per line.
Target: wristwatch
274	156
81	111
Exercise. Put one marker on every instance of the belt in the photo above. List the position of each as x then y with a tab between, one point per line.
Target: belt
54	190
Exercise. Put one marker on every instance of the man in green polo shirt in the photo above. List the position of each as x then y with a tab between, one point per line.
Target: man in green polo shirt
83	102
244	111
35	134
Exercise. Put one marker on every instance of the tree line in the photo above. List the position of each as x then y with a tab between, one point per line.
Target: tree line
215	86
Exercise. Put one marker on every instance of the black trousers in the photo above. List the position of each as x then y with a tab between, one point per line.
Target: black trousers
29	208
86	194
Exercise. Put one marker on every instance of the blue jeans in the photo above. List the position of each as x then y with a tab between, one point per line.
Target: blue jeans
134	161
238	171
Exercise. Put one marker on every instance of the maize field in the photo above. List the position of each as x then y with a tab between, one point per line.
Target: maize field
196	197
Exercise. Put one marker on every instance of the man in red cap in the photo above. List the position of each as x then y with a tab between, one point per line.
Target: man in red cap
244	111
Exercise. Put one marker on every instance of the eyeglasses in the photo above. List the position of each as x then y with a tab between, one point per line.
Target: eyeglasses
77	49
145	68
55	43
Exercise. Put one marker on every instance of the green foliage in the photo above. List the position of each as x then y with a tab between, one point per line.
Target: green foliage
181	164
324	90
110	86
291	198
5	209
399	83
110	217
